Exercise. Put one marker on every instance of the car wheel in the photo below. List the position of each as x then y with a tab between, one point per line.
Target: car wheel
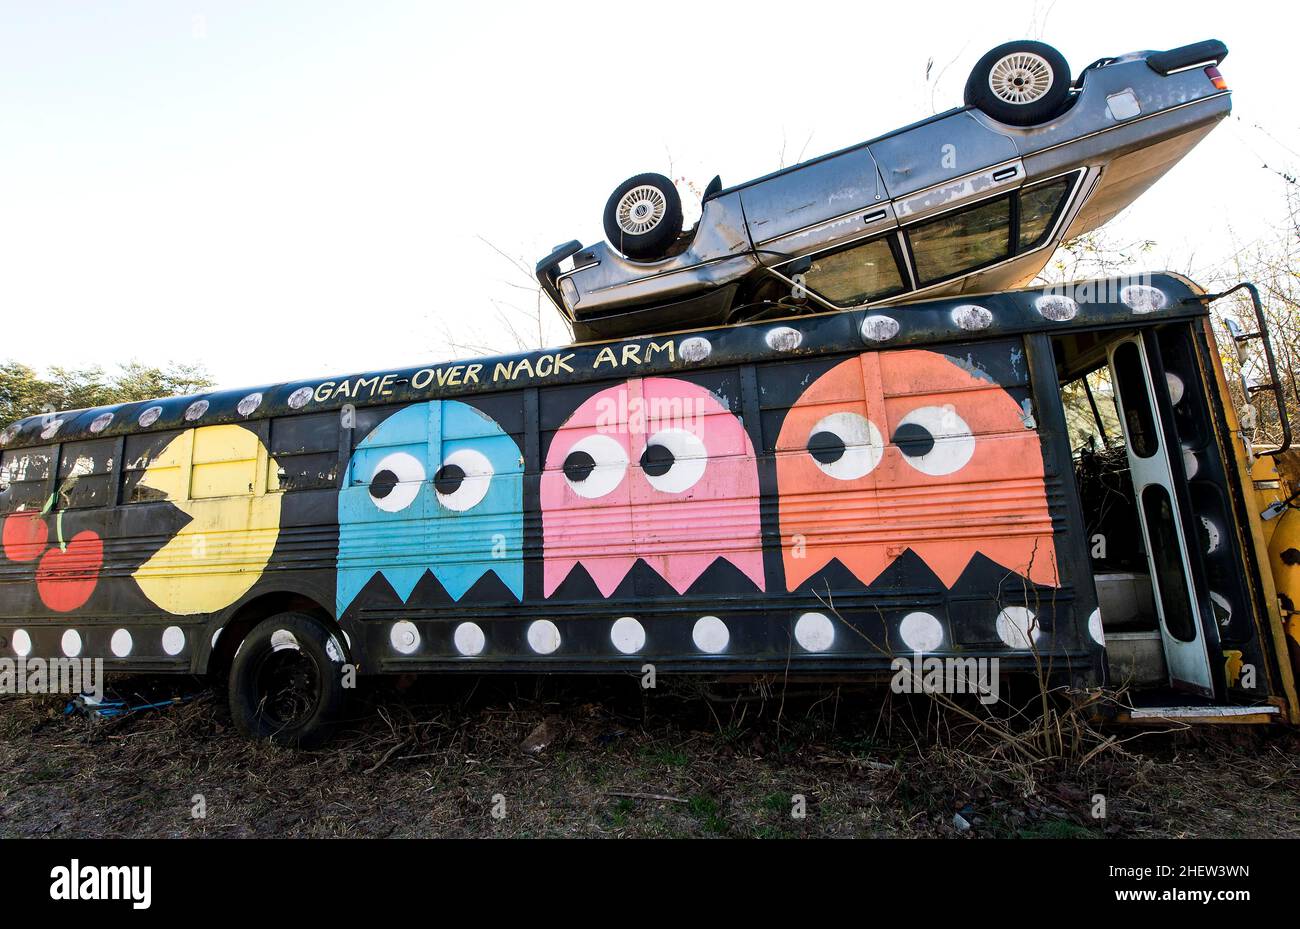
1020	83
286	682
643	216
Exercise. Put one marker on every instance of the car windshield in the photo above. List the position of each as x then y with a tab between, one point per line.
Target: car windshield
856	275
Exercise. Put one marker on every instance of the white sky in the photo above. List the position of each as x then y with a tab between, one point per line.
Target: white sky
280	190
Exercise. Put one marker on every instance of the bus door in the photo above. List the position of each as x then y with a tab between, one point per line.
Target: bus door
1162	511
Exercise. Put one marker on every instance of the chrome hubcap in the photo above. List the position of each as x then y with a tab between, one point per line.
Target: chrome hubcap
1020	78
641	209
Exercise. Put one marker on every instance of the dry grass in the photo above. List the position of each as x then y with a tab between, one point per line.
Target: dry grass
428	759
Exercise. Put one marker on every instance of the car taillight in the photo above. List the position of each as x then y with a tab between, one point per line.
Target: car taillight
1216	78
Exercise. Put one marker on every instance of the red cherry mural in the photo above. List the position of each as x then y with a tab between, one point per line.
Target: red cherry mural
67	575
67	572
24	536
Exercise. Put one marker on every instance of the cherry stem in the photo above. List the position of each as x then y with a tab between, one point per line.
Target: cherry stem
58	531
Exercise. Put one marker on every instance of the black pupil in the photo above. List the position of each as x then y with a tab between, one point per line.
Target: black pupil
448	479
382	484
578	466
913	440
656	460
826	447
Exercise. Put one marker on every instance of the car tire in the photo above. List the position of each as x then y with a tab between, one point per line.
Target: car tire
287	681
643	216
1020	83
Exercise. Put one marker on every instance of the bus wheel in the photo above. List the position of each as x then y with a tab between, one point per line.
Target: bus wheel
643	216
286	682
1020	83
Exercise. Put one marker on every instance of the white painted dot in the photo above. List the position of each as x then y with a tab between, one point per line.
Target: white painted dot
710	634
121	643
696	348
628	635
814	632
469	639
921	632
149	416
404	637
298	399
1176	387
543	636
1223	612
1056	307
173	640
22	643
282	639
1141	298
972	317
1211	536
51	427
195	410
71	643
249	404
1094	627
100	422
879	328
1017	627
1191	464
783	339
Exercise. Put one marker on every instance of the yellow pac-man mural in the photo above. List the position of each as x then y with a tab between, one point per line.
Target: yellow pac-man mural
217	476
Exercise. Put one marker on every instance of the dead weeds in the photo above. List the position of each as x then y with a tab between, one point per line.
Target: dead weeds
557	756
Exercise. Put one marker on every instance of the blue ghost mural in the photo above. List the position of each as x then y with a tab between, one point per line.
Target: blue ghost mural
437	486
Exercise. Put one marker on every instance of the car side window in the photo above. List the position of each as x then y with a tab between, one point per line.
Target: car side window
856	275
1039	206
962	241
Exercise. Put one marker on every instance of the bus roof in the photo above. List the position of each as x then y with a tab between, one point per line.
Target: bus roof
1102	303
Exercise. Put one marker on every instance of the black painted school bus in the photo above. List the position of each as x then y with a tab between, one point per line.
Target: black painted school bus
1052	478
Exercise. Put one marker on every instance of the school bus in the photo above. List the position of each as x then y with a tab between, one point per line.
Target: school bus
1053	478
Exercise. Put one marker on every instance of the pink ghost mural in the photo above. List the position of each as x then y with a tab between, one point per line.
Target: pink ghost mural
657	469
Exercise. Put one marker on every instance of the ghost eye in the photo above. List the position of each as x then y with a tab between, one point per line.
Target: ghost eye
674	460
462	481
595	466
846	446
935	440
395	482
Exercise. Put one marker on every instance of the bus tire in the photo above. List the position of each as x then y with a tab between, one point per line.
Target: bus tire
1020	83
286	681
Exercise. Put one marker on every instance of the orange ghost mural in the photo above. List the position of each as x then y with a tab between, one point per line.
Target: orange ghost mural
908	449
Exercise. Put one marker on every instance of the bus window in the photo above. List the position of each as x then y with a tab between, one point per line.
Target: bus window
1171	584
1039	206
87	475
160	454
225	463
304	452
24	479
856	275
1138	417
1090	415
958	242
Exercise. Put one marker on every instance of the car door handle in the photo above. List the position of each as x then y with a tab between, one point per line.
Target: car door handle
874	217
1005	174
